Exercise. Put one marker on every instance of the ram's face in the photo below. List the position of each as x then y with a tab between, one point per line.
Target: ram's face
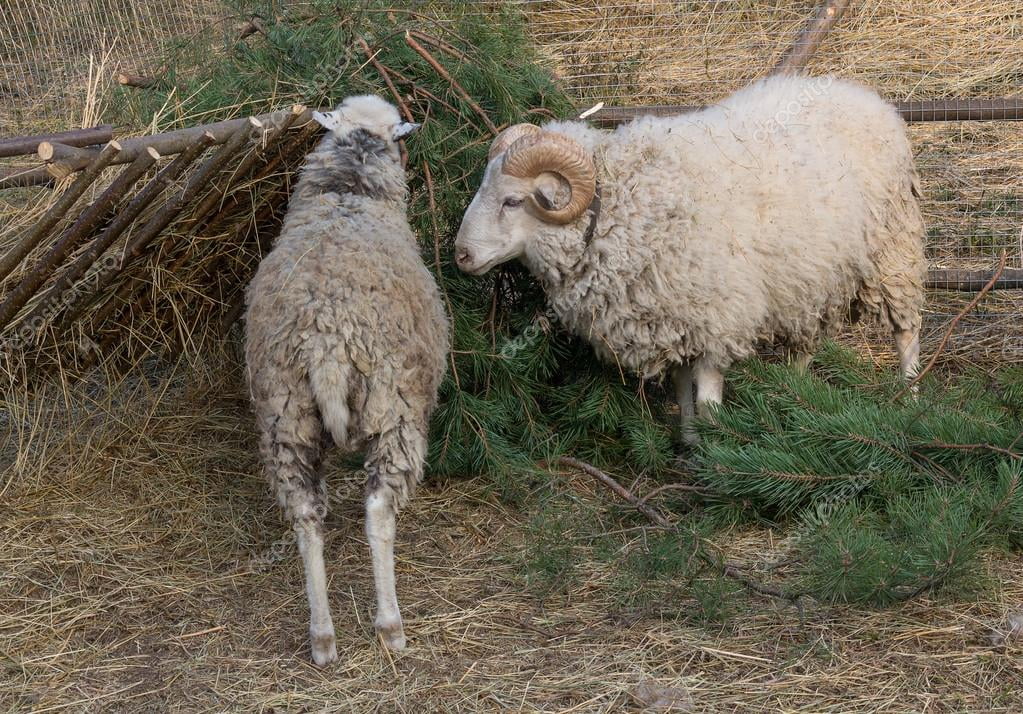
498	225
534	179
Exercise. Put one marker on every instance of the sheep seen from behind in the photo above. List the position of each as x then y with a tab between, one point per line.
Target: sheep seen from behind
346	342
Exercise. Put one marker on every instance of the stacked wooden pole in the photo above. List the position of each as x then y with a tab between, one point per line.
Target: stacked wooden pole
137	220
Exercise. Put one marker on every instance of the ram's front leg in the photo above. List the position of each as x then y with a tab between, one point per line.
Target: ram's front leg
710	387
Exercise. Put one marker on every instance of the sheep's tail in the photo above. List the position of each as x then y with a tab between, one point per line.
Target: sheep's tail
330	382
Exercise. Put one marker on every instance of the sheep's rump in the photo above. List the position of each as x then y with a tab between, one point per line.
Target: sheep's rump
763	218
343	313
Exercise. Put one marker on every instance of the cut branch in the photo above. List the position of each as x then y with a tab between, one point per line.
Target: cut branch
439	68
952	326
62	159
51	301
729	570
175	142
25	177
811	37
135	80
74	235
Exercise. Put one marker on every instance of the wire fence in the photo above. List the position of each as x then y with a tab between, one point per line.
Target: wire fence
57	60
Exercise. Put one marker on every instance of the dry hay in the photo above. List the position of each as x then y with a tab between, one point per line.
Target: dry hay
145	567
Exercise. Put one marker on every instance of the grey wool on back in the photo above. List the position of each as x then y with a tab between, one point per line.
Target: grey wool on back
346	342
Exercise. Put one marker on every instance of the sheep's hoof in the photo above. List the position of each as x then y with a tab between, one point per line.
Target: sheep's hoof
324	649
393	634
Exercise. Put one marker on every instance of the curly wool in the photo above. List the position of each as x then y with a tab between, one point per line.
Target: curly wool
345	329
765	218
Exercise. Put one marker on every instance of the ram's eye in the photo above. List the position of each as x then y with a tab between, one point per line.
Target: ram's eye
512	202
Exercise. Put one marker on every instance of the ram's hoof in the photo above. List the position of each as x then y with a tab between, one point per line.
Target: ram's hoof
393	635
324	649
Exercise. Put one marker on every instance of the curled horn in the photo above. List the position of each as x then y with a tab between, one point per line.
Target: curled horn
536	153
508	137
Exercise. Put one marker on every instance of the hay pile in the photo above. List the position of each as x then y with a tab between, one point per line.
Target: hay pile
139	572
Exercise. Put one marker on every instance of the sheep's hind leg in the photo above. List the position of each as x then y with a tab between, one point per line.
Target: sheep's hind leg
394	467
800	360
682	376
710	386
907	346
292	449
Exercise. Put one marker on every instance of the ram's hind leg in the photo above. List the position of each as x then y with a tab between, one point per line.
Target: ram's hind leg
682	376
291	447
394	466
710	387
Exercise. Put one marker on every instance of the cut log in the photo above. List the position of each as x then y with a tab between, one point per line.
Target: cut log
61	159
41	229
21	145
167	213
135	80
74	235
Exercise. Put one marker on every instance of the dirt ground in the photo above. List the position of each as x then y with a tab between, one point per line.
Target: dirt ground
145	568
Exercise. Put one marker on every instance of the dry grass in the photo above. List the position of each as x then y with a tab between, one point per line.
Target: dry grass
134	520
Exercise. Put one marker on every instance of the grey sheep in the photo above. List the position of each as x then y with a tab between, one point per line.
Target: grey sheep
346	341
681	243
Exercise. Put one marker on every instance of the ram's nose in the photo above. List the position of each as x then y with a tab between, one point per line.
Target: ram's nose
463	258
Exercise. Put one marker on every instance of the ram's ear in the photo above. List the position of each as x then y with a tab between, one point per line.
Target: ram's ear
550	191
331	121
403	129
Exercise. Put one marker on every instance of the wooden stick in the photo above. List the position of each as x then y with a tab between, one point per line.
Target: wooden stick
914	111
177	141
451	80
135	80
952	326
269	139
971	281
74	235
57	211
251	27
112	232
24	177
21	145
297	142
811	37
440	44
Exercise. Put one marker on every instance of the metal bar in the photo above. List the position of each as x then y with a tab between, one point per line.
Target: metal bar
972	281
20	145
999	109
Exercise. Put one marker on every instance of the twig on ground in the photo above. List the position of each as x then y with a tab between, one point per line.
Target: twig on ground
952	326
729	570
